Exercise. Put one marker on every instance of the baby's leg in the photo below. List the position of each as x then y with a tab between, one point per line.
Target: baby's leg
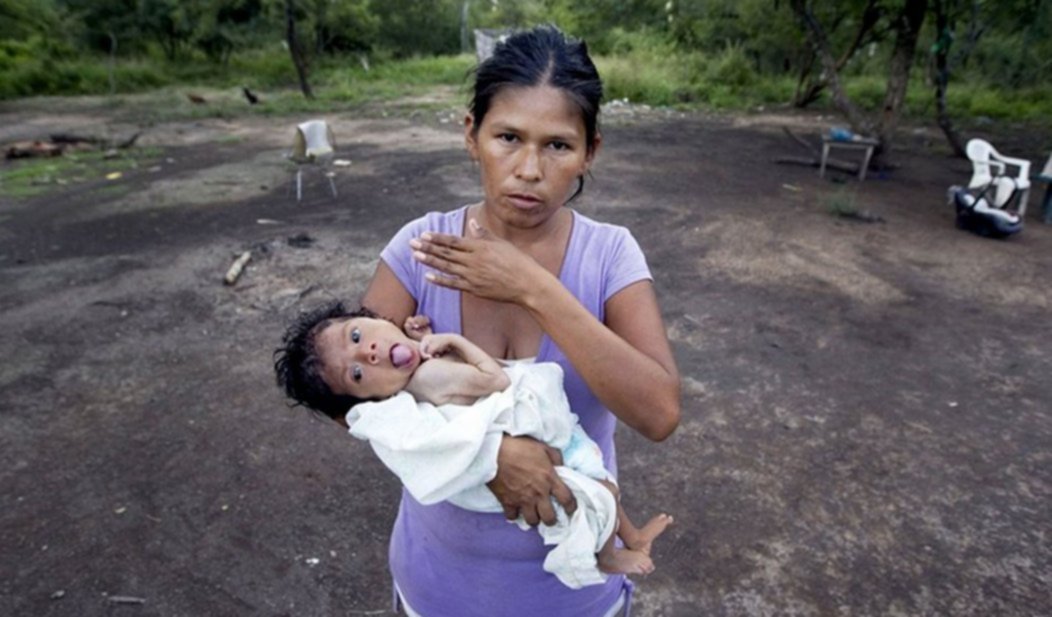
636	558
640	539
613	560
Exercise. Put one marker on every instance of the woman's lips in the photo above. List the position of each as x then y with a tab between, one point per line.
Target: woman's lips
523	202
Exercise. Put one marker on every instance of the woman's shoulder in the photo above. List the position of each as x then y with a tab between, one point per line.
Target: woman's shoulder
591	234
448	222
586	225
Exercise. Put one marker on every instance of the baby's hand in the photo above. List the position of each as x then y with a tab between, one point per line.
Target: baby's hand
417	327
437	345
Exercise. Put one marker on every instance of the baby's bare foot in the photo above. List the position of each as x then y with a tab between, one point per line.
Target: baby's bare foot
624	561
644	536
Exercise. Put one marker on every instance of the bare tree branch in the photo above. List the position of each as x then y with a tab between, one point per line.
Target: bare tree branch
820	43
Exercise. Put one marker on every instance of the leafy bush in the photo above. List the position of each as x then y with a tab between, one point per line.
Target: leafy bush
45	76
732	68
866	91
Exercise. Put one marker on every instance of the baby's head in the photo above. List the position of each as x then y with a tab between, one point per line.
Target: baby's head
332	359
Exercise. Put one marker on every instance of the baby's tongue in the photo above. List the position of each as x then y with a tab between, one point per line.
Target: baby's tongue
401	355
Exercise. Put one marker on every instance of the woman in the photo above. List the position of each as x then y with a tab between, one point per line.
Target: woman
524	278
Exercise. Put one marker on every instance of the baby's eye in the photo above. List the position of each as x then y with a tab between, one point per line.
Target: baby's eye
356	373
356	335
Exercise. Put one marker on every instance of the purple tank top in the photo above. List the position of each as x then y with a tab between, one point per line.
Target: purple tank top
449	561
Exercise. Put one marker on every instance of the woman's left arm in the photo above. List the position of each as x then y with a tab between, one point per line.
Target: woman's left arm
626	361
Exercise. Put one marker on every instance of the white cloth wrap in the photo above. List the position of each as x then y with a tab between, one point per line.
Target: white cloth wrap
449	453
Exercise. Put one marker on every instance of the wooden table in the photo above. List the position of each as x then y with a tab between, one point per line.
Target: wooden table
858	143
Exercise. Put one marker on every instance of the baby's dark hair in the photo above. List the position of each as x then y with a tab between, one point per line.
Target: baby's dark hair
298	366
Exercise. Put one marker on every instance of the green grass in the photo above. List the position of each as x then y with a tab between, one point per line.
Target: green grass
642	69
23	178
338	85
841	203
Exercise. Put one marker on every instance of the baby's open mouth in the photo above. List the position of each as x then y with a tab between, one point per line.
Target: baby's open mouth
401	355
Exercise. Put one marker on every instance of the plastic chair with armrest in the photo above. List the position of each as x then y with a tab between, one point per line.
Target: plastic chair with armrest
315	144
990	171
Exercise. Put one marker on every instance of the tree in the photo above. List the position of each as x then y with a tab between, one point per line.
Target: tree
810	85
299	58
171	22
227	25
418	27
943	10
905	24
107	21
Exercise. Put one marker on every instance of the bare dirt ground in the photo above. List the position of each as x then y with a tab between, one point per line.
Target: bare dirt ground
866	425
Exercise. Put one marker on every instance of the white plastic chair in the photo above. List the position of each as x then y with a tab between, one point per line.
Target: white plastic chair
990	170
315	145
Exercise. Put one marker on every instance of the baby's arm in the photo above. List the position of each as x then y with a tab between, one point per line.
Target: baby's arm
462	379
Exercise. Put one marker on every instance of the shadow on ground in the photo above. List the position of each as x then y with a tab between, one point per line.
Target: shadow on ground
866	421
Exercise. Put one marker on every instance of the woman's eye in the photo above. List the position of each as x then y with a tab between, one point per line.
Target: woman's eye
356	335
356	373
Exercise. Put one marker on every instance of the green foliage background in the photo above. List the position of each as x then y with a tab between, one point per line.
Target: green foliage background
716	53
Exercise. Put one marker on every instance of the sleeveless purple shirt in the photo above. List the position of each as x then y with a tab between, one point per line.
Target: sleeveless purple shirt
449	561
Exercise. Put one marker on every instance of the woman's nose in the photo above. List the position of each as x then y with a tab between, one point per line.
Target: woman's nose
529	167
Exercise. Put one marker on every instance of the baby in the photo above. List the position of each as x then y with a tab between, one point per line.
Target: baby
333	360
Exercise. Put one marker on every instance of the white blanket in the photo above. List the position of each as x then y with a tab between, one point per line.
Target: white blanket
449	453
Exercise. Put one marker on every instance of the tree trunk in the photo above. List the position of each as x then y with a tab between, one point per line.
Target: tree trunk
113	61
465	44
814	86
820	43
942	77
907	29
295	50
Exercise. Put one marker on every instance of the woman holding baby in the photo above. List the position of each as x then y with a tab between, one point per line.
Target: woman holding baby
526	278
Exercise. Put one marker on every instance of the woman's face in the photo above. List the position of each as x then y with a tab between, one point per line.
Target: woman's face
531	148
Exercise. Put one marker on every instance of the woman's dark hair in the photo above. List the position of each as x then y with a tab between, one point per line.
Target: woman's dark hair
536	57
298	366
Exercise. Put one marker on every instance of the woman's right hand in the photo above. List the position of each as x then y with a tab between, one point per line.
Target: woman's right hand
479	263
526	480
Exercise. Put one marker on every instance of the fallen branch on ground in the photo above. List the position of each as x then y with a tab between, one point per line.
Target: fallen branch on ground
70	138
238	266
127	600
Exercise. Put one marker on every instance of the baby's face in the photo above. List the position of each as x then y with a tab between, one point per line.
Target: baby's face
366	358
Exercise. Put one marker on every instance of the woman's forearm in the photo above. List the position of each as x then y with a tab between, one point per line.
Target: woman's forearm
626	362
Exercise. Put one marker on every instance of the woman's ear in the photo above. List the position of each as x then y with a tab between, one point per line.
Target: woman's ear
469	137
589	157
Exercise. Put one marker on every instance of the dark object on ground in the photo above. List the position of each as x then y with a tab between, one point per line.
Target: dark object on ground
252	98
72	139
60	142
976	215
32	149
197	99
301	240
860	217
